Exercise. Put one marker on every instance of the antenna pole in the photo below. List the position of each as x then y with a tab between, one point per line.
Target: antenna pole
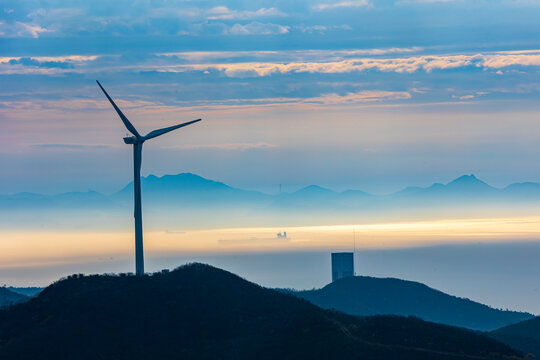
354	251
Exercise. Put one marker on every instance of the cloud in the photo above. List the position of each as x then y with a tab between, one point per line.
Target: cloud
412	2
100	18
359	97
44	59
341	4
47	65
257	28
138	107
32	29
412	64
322	28
284	55
463	97
266	63
70	146
230	146
21	29
224	13
77	104
121	18
503	60
363	96
44	64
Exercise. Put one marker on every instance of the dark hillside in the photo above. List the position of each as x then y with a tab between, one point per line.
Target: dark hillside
364	296
9	297
524	336
28	291
200	312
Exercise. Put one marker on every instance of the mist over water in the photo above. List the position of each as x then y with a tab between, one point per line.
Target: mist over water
477	260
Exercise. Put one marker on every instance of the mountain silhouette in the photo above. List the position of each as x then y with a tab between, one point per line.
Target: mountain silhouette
362	295
311	195
200	312
184	194
9	297
527	191
524	336
191	188
28	291
179	183
466	186
469	182
314	190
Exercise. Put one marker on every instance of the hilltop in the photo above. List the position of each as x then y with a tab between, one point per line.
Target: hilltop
363	295
200	312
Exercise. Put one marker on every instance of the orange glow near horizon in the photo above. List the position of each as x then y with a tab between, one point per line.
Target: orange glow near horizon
33	248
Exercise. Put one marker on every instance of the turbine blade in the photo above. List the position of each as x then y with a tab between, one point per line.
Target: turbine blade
125	120
158	132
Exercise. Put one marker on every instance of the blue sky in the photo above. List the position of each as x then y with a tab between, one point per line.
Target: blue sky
373	95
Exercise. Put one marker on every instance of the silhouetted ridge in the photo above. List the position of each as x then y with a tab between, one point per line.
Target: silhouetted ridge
200	312
178	182
28	291
362	295
466	185
188	187
9	297
524	336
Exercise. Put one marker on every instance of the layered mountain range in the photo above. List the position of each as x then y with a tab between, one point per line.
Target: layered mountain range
190	188
190	200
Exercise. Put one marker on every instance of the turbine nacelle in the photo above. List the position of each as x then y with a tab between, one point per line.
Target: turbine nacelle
130	140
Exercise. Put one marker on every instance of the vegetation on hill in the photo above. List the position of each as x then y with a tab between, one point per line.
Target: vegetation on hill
200	312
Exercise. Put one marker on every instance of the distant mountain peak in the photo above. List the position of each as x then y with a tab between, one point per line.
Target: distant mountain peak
466	178
469	182
180	182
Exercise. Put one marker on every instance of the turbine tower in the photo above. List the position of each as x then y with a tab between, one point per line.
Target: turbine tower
137	141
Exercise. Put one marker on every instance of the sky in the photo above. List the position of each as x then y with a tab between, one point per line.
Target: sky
362	94
346	94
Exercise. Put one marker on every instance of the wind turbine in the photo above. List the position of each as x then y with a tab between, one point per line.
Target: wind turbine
137	141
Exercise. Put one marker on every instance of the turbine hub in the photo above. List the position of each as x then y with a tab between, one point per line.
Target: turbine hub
130	140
